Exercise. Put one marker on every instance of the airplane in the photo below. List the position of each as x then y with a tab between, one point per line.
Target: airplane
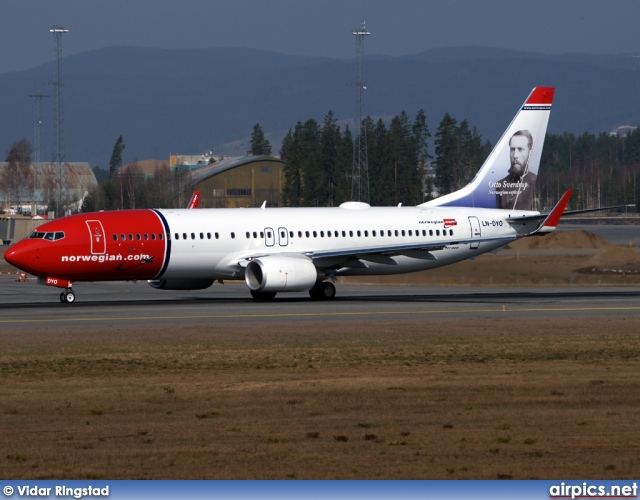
284	249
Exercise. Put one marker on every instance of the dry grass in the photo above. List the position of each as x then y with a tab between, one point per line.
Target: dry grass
504	397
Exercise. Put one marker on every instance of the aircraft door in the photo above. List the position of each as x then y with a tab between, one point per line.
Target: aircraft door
283	238
98	241
475	232
269	237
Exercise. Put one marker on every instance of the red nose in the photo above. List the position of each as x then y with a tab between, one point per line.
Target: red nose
23	255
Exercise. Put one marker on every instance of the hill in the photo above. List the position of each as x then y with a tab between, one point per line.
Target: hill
191	101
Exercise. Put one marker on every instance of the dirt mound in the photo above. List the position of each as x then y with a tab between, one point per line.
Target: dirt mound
562	239
614	256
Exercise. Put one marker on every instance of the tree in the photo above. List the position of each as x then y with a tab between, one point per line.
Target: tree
17	179
292	192
421	134
116	156
446	163
259	144
329	158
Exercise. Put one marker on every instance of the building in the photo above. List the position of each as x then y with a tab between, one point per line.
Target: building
40	185
147	168
245	181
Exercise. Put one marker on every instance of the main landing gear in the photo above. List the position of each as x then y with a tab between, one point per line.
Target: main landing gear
324	290
67	297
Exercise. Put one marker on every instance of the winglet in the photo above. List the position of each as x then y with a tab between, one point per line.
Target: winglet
553	218
195	199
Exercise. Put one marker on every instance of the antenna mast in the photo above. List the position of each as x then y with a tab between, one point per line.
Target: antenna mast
360	169
58	116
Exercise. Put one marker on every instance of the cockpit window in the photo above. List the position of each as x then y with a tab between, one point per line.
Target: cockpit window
52	236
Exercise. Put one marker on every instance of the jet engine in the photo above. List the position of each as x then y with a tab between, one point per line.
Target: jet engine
190	284
280	273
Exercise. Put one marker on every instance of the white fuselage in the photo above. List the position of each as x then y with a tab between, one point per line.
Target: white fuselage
209	243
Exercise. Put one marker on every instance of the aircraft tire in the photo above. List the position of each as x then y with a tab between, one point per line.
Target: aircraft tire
323	291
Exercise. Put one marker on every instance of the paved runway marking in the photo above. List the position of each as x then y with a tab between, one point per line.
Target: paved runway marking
323	314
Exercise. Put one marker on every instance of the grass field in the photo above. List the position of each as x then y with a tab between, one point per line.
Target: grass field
500	397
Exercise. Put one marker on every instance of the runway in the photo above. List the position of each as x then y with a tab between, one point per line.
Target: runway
128	304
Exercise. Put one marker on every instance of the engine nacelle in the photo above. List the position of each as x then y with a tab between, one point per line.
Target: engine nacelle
280	273
190	284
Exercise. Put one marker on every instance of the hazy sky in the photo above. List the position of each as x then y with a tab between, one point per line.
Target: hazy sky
317	27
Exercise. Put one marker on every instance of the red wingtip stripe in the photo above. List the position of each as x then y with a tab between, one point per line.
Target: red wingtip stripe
541	95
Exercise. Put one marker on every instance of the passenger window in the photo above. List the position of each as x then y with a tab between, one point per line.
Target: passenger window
123	237
437	232
248	235
202	236
290	234
208	236
233	235
396	232
115	237
389	233
315	234
403	232
351	234
335	233
410	232
366	233
184	236
146	236
217	236
177	236
162	237
138	237
329	234
130	237
450	232
306	233
322	234
373	233
262	234
299	234
344	234
193	236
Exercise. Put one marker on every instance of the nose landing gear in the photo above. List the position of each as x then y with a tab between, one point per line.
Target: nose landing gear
67	297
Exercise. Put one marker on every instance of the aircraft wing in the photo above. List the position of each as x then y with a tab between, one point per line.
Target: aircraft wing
349	257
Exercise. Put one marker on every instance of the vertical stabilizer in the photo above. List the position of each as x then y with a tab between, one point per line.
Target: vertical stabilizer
507	178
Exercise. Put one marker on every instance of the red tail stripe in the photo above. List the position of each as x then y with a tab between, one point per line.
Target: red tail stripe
541	95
